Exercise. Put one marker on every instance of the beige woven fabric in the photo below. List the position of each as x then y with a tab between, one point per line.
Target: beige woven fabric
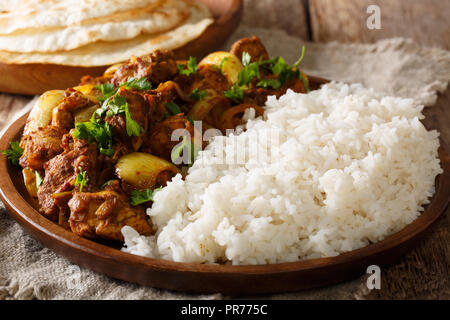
395	67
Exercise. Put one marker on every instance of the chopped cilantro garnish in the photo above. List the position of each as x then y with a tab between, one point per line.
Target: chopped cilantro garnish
248	73
109	152
190	120
138	197
177	151
14	153
133	128
285	72
236	93
197	94
277	66
173	108
190	68
81	179
39	179
269	83
113	105
222	64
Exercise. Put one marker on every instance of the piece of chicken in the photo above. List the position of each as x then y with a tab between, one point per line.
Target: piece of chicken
232	117
40	146
159	66
139	110
252	46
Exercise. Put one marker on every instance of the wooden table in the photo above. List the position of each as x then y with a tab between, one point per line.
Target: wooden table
423	273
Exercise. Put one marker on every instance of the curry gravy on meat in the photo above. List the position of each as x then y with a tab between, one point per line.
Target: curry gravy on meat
94	154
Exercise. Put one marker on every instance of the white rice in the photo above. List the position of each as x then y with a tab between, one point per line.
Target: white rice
351	168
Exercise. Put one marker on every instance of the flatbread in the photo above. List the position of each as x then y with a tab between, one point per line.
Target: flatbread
23	14
119	26
107	53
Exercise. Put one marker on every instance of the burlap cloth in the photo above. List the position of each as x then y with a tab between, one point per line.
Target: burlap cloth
395	66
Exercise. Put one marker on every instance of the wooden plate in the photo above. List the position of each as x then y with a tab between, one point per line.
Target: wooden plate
201	278
39	77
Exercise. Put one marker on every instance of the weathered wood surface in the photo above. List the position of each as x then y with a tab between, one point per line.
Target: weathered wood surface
9	106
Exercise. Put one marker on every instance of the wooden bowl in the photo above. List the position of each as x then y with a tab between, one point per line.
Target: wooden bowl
37	78
203	278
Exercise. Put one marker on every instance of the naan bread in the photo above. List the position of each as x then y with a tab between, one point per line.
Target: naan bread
23	14
106	53
119	26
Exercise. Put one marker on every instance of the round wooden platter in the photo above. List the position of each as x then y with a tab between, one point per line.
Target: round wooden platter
37	78
211	278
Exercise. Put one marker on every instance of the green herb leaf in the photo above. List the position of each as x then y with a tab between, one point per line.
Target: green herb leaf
116	103
269	83
236	93
246	58
284	71
107	90
194	152
301	57
248	74
173	108
133	128
140	197
112	105
190	120
197	94
305	82
109	152
81	179
14	153
191	67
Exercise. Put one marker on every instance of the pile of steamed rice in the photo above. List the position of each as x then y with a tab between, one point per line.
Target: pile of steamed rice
350	167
